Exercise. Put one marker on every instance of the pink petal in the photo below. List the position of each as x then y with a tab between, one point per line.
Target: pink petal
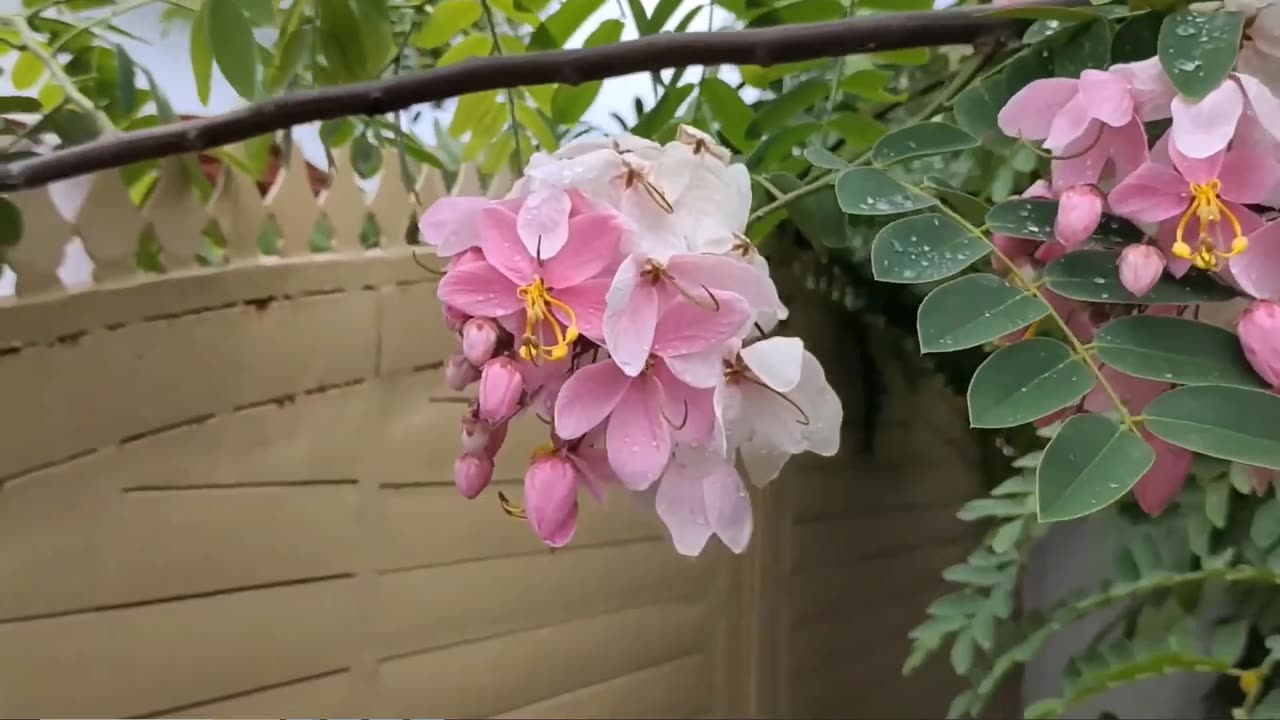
701	369
1085	160
1128	147
1162	482
449	225
587	398
502	247
593	468
1196	170
1151	88
690	411
1248	176
542	223
479	289
1204	128
728	505
1257	270
724	272
1029	114
630	316
1073	121
587	300
1265	105
592	247
682	505
638	437
1166	235
686	327
1151	194
1107	97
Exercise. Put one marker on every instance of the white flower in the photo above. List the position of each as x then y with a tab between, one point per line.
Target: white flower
700	494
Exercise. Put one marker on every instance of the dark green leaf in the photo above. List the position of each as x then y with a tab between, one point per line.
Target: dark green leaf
126	96
1175	350
640	17
774	114
366	159
1034	218
972	575
924	248
1198	49
869	83
731	113
955	604
867	191
662	12
1225	422
1217	501
662	111
967	206
1135	39
921	140
296	47
1089	464
1265	530
1228	641
976	112
1092	275
1060	14
447	18
336	133
823	158
234	48
1026	381
817	215
972	310
19	104
1086	47
10	223
561	24
798	11
857	130
1016	485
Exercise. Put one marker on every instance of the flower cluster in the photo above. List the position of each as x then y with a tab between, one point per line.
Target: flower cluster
1200	192
613	295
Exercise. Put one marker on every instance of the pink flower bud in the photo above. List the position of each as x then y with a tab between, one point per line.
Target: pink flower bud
458	373
479	338
1259	331
501	385
1016	249
475	435
497	436
1140	268
551	499
1079	212
453	317
472	474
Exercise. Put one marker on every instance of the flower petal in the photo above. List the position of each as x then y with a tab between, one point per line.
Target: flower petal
762	461
822	404
722	272
543	222
728	505
686	327
1204	128
1161	483
587	300
591	248
1072	122
1151	88
1249	176
681	503
587	398
777	361
1257	270
449	224
701	369
1029	114
479	289
502	247
630	316
1151	194
1265	105
688	410
1196	170
1107	97
638	438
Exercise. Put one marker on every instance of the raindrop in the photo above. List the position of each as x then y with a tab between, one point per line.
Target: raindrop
1185	30
1099	281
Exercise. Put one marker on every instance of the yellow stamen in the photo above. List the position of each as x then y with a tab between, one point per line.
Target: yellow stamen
1209	209
511	508
538	305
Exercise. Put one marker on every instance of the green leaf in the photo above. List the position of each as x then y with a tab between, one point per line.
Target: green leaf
994	507
1136	37
366	159
561	24
1007	535
336	133
1026	381
1016	485
958	603
1198	49
1093	275
355	38
1228	641
781	111
962	652
234	48
823	158
1265	530
976	113
1060	14
570	102
662	12
868	191
1175	350
295	49
202	52
924	248
972	310
869	83
817	215
662	111
19	104
27	71
126	94
1217	501
10	223
447	18
1089	464
857	130
967	206
1034	218
921	140
1225	422
469	47
728	109
911	56
798	11
1087	47
1269	708
779	145
973	575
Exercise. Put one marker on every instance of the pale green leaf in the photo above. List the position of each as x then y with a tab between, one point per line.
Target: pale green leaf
1026	381
972	310
1198	49
1226	422
202	52
469	47
924	248
561	24
234	48
1089	464
447	18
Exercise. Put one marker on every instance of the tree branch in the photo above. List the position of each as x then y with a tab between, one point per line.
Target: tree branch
766	46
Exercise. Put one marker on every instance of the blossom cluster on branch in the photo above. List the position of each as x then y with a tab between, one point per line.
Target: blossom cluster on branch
613	296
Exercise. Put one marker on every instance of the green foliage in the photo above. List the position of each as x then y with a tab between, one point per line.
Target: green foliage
1026	381
1093	275
1176	350
973	310
1198	50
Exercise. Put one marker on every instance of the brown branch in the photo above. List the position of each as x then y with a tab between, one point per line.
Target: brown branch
765	46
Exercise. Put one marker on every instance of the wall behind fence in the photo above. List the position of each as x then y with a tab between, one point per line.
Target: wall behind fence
225	491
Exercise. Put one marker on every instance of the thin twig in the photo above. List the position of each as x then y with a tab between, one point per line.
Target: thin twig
764	46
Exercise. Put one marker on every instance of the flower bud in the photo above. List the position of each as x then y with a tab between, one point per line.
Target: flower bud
1140	268
475	435
458	373
453	317
551	499
1259	331
1013	248
479	338
1079	212
472	474
501	385
497	436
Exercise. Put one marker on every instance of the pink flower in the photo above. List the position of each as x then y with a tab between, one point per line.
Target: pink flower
472	474
551	498
454	318
714	292
1199	205
1086	122
1135	393
1259	331
448	225
1079	212
551	299
501	388
480	437
700	495
459	373
479	338
1166	476
1140	268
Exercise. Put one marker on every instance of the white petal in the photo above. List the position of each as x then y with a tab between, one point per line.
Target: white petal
762	462
701	369
1266	108
777	361
822	404
681	502
728	506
